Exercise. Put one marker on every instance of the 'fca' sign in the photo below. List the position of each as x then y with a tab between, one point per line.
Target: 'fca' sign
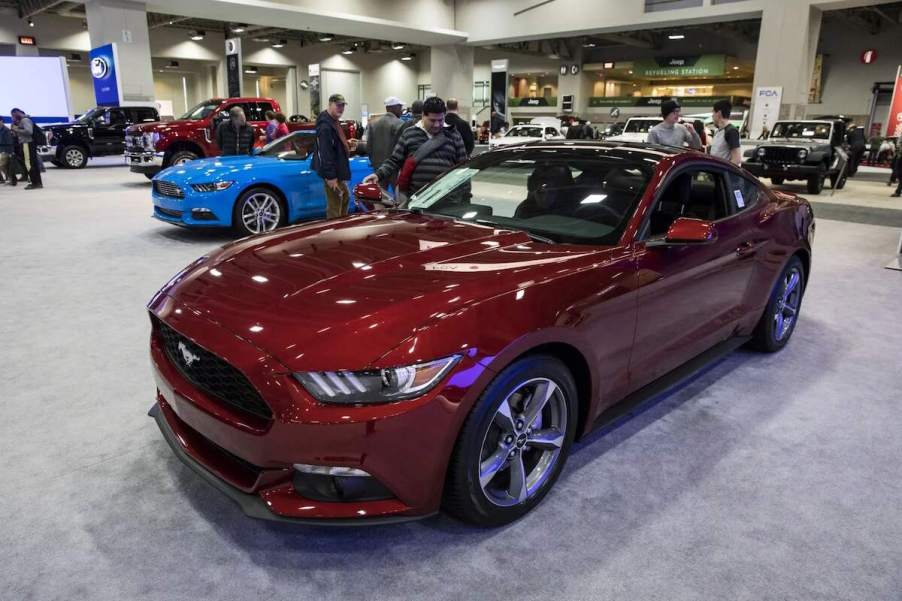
768	93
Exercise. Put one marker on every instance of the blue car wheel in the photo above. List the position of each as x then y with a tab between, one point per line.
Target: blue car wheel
258	210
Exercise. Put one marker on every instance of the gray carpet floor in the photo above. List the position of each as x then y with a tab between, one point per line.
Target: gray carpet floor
765	477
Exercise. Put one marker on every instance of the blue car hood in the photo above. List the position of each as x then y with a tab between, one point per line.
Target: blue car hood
230	167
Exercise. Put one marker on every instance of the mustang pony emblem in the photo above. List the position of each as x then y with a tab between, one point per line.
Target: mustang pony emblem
187	356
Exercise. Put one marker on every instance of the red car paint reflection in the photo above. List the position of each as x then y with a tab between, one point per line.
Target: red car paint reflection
393	288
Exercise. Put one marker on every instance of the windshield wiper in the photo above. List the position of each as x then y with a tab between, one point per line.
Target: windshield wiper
539	238
532	235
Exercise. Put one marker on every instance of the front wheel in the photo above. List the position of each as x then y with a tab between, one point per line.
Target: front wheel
782	311
74	157
815	184
182	157
777	181
257	211
514	443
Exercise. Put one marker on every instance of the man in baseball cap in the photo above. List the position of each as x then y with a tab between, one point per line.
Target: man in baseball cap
331	159
382	132
670	132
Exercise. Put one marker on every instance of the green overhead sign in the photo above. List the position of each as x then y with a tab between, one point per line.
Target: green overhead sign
739	102
681	66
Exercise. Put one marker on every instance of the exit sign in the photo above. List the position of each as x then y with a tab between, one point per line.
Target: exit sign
28	40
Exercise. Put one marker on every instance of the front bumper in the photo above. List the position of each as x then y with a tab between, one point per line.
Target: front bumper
404	446
47	153
786	171
196	209
147	162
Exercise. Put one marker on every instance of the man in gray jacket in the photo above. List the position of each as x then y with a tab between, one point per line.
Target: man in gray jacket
381	135
671	133
23	128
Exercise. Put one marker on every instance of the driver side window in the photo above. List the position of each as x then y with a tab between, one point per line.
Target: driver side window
693	193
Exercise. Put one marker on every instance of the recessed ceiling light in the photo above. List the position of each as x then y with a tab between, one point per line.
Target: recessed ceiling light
30	23
676	36
589	45
326	37
250	70
262	40
735	68
198	35
239	28
408	57
397	46
279	43
348	51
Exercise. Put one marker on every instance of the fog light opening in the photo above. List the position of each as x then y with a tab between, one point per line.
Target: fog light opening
337	484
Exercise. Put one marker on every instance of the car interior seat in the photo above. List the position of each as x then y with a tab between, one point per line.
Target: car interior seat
671	204
549	188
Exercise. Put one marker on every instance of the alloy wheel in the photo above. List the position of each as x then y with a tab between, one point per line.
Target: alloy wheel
523	442
261	212
74	157
788	304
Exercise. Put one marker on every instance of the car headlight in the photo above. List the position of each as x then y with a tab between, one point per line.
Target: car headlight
378	385
212	186
761	152
803	153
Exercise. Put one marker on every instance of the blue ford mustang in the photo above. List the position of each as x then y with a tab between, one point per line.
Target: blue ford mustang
252	194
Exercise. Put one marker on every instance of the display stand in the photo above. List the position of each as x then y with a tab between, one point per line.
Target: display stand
896	263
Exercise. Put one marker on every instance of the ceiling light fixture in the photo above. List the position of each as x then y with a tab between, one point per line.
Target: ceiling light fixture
326	37
279	43
735	68
250	70
397	46
239	28
30	23
589	45
172	65
198	35
408	57
349	50
676	36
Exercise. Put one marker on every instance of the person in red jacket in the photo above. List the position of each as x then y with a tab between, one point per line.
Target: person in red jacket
281	126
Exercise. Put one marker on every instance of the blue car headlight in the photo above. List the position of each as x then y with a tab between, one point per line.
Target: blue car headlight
378	385
212	186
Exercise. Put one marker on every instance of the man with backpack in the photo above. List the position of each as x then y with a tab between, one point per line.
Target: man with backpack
30	136
423	152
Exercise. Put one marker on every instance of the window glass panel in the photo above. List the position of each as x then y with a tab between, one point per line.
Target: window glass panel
743	193
695	194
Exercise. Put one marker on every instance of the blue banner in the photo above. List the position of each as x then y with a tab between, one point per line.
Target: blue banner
106	77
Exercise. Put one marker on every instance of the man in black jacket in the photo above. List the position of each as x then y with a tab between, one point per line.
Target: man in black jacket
448	151
331	157
462	127
235	136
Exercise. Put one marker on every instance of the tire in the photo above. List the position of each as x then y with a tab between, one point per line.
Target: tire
257	211
149	175
771	334
777	181
180	157
815	184
499	438
57	163
73	157
838	185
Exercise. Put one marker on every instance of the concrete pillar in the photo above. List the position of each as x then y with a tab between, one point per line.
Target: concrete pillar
579	85
291	92
124	23
787	47
451	69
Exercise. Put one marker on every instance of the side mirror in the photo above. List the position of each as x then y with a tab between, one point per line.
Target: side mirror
686	230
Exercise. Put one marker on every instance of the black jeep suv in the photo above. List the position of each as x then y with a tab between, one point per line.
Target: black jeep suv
99	132
802	150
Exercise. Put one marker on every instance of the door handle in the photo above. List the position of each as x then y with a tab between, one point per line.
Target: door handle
746	250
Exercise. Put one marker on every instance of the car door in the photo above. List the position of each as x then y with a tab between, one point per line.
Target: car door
109	132
689	294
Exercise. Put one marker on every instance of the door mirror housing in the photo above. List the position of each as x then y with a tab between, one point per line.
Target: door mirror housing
685	230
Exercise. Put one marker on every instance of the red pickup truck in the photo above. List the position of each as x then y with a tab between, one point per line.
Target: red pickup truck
151	147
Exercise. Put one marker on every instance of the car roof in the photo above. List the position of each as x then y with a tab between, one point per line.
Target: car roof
825	122
626	150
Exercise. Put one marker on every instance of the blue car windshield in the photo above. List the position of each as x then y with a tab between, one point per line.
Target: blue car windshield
294	146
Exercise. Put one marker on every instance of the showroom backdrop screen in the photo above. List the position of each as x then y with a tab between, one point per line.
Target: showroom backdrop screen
36	84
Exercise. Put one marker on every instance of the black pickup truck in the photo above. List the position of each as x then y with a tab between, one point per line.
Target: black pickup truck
802	150
99	132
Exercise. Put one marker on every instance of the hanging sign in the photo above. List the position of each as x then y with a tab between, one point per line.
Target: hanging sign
104	72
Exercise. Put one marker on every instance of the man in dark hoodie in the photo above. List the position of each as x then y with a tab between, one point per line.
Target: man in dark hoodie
331	157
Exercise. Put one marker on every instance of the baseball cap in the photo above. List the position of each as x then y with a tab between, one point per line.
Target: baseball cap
337	99
393	101
668	106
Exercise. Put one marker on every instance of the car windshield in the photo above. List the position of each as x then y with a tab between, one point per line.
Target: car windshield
640	126
525	132
572	196
801	129
91	115
294	146
202	110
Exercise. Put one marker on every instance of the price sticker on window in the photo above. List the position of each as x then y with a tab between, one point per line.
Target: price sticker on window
740	201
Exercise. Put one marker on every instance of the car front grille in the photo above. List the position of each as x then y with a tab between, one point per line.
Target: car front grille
211	374
781	154
165	188
168	212
134	144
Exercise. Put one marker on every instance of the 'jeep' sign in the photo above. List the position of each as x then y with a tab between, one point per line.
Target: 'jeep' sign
681	66
533	102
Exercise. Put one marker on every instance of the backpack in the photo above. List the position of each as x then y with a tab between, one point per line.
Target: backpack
38	137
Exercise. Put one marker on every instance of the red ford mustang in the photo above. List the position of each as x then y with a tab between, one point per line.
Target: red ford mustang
383	366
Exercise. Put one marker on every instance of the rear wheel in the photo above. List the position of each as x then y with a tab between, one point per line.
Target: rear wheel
838	183
514	443
74	157
815	184
181	157
782	311
257	211
777	181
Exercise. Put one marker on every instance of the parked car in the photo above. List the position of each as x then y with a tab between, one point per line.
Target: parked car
251	194
381	366
99	132
521	134
636	130
154	146
802	150
611	130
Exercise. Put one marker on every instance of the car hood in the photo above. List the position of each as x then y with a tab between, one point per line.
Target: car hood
795	142
512	141
224	167
162	126
59	126
341	294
